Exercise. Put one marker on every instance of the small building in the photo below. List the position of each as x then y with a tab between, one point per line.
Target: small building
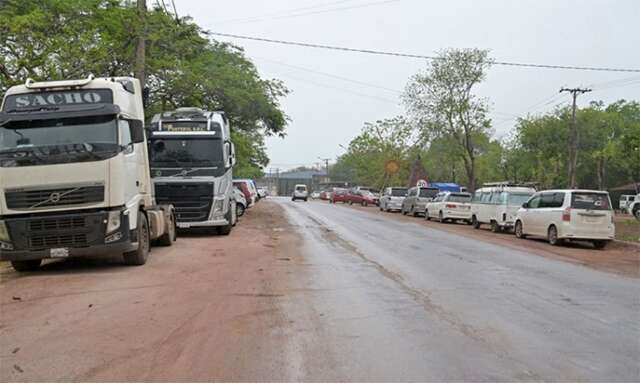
284	183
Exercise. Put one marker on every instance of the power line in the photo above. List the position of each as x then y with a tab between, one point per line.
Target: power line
281	13
330	75
417	56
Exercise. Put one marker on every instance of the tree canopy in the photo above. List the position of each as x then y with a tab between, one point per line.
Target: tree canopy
61	39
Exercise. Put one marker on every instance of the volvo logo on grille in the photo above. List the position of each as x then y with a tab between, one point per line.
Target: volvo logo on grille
54	197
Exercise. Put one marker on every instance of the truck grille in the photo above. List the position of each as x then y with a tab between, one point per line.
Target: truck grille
29	199
192	201
56	223
62	240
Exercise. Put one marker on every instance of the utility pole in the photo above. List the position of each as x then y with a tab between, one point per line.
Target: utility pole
573	136
139	62
326	165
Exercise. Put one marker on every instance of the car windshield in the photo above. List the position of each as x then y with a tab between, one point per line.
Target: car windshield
517	199
590	201
457	197
58	140
398	192
301	188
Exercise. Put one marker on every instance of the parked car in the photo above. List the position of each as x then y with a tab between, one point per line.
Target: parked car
561	215
300	192
634	207
246	189
416	200
362	196
315	195
339	195
392	198
241	201
626	200
498	204
262	192
449	206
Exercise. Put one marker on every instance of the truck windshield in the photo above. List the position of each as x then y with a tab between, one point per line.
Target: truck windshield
187	152
24	143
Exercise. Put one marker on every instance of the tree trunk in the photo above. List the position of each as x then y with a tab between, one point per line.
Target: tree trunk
139	65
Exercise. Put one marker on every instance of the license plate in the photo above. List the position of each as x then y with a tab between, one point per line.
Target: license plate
61	252
592	220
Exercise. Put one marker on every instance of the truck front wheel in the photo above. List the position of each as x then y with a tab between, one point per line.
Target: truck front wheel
30	265
230	217
139	256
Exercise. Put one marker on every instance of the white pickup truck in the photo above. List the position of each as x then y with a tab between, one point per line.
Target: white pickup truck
634	207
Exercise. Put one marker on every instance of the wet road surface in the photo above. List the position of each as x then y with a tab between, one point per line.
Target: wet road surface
396	301
321	293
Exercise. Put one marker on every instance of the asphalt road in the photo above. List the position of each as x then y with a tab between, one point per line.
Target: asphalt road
396	301
321	293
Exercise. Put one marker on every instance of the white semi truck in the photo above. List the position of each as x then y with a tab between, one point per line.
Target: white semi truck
191	165
74	173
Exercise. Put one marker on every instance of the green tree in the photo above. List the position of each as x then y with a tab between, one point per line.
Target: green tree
60	39
441	101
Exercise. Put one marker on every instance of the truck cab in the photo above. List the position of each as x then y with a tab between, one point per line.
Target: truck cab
191	164
74	173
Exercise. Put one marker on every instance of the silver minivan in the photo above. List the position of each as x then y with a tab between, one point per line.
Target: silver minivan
392	198
417	198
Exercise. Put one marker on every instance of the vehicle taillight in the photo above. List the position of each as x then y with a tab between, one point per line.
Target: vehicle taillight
566	214
450	206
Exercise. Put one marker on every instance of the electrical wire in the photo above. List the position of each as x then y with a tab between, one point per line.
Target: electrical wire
397	92
399	54
281	13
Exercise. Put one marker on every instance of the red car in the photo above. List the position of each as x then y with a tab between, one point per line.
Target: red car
244	189
363	197
339	195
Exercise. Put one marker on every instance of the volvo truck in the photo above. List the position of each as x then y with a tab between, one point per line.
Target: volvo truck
74	173
191	164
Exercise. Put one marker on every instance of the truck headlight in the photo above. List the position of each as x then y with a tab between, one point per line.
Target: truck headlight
4	232
217	206
113	221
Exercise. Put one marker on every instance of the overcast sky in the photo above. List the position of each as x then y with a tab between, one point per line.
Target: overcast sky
327	111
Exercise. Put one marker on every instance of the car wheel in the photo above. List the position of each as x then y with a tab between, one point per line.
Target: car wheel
413	211
518	230
306	199
240	210
441	217
600	244
475	223
23	266
350	202
636	213
426	215
139	256
552	236
495	227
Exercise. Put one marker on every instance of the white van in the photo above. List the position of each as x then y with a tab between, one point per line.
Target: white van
498	204
561	215
300	192
626	200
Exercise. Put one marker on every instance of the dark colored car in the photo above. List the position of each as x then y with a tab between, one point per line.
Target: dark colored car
244	189
339	195
363	197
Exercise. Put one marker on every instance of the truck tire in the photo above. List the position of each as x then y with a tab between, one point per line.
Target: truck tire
139	256
168	238
226	229
23	266
600	244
